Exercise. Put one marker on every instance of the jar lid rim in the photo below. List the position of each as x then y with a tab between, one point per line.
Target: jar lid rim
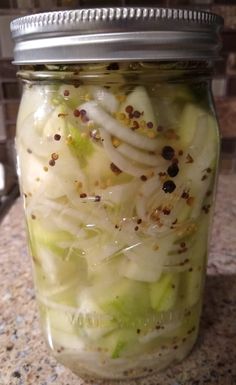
122	33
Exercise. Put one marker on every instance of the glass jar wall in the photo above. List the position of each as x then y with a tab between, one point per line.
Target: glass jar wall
117	165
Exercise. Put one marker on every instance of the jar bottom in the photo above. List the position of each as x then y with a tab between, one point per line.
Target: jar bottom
123	369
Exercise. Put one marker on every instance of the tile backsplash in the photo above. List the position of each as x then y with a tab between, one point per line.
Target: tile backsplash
9	100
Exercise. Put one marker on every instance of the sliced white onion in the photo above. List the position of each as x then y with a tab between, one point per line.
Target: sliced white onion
37	130
144	194
156	231
139	156
34	201
146	260
75	220
122	163
105	98
139	99
133	270
150	186
65	223
175	201
111	125
152	196
141	207
119	193
96	255
31	140
35	102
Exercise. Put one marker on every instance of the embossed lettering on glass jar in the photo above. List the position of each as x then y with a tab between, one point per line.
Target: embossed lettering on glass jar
118	145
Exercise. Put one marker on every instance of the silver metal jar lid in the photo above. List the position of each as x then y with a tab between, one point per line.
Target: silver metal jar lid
116	34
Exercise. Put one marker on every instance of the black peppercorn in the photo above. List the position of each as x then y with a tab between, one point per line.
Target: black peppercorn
173	170
57	137
169	186
168	152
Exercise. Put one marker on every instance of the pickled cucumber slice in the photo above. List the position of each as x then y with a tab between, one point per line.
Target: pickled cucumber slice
126	301
193	286
164	292
119	342
79	144
46	236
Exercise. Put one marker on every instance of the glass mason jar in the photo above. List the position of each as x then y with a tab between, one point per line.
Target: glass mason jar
117	165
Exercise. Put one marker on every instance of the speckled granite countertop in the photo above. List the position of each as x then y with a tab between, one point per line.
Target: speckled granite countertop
24	359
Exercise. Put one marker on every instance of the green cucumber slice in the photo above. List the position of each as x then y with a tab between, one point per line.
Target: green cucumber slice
164	293
126	301
118	343
80	145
